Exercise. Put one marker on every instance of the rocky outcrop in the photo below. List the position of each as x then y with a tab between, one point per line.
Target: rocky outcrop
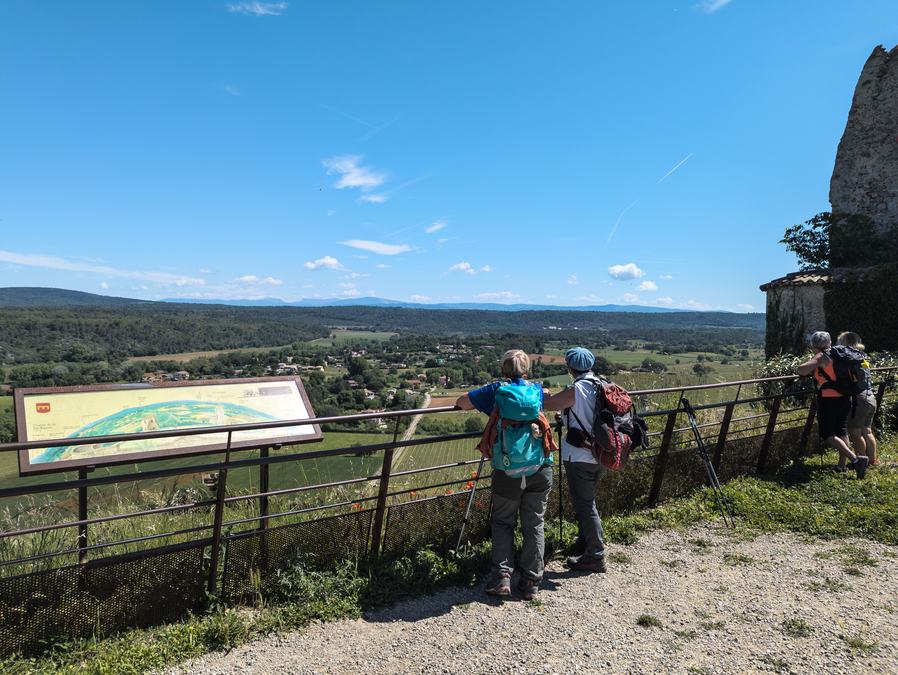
865	177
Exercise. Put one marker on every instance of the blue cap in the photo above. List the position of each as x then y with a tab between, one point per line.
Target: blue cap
579	359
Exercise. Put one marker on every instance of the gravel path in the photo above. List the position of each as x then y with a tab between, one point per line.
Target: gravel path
725	603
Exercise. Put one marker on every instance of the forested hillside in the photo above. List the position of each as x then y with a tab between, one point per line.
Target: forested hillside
91	334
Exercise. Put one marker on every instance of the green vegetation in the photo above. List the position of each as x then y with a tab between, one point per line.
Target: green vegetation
858	644
797	628
648	621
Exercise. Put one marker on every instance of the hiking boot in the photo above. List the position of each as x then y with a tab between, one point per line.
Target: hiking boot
860	466
528	588
499	586
585	563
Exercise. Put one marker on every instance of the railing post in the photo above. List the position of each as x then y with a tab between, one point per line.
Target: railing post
219	517
722	436
768	435
880	393
263	508
808	425
384	488
661	459
82	515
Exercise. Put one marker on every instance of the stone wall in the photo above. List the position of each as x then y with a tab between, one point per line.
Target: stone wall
865	176
792	313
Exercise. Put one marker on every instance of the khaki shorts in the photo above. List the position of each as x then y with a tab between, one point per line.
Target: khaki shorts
864	409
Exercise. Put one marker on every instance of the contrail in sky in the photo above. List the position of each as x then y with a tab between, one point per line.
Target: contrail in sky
678	165
617	222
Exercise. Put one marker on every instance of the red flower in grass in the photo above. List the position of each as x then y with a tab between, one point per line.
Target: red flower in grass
413	494
470	485
356	506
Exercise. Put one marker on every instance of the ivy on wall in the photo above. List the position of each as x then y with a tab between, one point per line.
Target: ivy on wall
785	327
866	304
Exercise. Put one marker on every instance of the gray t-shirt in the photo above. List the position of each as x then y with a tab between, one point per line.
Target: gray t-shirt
584	408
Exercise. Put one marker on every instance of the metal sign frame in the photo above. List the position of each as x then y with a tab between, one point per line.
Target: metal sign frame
26	468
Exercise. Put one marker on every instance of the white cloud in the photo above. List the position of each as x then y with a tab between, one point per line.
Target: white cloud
436	227
419	298
589	298
351	174
230	89
746	308
630	297
378	198
356	275
468	268
647	286
666	300
54	263
351	293
694	304
104	285
628	271
205	270
382	266
327	262
442	240
251	279
711	6
346	285
331	212
665	277
377	247
498	295
572	280
258	8
551	296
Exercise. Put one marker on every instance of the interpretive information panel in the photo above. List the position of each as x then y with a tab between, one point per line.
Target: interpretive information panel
107	410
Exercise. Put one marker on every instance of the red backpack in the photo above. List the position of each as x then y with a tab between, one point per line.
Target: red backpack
616	428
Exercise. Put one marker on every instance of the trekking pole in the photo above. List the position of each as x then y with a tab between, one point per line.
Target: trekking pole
719	495
464	521
559	427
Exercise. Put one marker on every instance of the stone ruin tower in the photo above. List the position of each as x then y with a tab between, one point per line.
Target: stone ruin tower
861	294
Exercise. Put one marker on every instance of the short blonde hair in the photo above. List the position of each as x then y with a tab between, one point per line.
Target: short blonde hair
515	363
850	339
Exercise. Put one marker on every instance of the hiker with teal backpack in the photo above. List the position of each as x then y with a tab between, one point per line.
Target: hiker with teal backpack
519	441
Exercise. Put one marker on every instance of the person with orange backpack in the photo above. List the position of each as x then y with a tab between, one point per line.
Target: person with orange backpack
519	441
837	372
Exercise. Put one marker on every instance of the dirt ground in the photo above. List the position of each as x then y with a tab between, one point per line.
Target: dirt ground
702	600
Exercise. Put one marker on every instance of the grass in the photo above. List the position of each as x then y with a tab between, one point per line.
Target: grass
738	559
648	621
797	628
858	644
828	585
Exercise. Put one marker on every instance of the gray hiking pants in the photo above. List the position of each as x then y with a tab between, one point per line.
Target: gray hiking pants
582	478
509	500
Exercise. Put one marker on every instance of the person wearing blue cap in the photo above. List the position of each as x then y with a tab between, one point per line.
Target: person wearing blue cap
580	464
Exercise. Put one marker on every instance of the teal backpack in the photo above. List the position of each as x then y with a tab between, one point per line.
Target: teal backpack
517	451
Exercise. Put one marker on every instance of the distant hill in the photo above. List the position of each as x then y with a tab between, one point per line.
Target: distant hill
33	296
382	302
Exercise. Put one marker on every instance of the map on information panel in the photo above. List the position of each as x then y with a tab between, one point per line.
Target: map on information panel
82	412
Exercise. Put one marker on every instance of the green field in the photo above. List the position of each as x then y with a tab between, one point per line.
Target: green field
290	474
344	337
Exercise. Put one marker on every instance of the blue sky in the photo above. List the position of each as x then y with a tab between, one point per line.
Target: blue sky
560	153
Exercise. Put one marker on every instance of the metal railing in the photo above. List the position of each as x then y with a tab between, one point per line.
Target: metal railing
213	550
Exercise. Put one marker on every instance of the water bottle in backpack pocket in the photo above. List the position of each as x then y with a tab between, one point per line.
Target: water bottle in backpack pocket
519	450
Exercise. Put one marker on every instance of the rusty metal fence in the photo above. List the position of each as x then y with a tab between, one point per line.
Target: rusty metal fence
71	577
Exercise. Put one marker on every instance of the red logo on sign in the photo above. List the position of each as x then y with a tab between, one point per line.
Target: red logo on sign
42	407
